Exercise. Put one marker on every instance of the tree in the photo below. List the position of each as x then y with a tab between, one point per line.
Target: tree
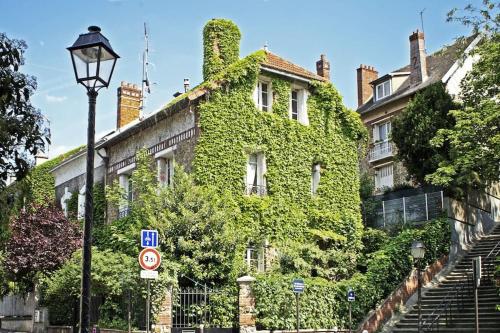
474	140
22	130
197	224
412	130
42	239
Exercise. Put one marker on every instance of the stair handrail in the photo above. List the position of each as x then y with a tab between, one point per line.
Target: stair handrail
491	257
445	306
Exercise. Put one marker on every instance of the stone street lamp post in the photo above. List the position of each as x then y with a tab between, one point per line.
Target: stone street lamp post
418	253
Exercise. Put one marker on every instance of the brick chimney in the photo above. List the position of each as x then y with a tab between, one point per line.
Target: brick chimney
323	67
365	74
418	58
129	104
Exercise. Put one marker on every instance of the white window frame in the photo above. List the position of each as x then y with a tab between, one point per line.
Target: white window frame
384	176
257	95
165	162
315	178
376	131
302	95
386	89
255	258
255	181
124	182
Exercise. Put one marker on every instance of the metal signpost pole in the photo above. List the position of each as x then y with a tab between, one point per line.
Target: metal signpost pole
476	268
297	303
148	301
350	318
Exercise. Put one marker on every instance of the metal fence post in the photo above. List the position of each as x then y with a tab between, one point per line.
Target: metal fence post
383	211
404	210
426	208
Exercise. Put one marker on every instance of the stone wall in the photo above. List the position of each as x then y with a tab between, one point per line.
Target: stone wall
376	318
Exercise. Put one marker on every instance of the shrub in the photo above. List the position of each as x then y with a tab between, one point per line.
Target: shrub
324	303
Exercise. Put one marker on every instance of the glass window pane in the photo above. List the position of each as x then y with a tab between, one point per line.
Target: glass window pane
295	109
264	97
380	91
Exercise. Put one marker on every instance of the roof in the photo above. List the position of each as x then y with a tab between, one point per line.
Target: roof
438	65
276	62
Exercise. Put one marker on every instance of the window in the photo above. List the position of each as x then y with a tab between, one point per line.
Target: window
128	195
165	171
384	177
381	132
298	106
315	177
383	89
295	105
255	258
263	96
255	181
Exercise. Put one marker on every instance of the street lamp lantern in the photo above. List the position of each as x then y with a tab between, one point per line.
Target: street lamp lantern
418	253
93	62
417	250
93	59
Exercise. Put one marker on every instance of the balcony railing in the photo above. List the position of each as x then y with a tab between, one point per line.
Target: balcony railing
122	212
381	150
260	190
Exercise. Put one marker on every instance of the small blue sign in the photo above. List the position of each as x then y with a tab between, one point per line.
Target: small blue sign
351	296
149	238
298	286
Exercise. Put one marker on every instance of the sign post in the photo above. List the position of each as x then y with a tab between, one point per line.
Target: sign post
298	288
150	260
476	266
350	298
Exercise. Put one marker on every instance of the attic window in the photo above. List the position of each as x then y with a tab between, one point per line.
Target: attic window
383	90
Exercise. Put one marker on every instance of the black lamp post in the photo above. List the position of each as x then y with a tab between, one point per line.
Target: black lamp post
93	62
418	252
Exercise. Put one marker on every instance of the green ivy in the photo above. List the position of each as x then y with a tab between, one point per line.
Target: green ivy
221	46
232	127
324	303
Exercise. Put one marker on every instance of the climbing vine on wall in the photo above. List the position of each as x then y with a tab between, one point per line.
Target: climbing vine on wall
232	127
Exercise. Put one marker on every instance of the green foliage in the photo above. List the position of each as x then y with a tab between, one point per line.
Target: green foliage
412	130
324	303
23	133
373	240
61	290
233	127
221	46
474	140
369	205
483	18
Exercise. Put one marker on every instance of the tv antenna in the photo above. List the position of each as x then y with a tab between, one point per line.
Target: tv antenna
145	85
422	19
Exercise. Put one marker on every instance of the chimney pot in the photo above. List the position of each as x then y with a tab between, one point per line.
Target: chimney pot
418	58
365	75
129	104
323	67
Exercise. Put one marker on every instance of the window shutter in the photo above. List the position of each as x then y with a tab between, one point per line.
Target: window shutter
255	95
303	118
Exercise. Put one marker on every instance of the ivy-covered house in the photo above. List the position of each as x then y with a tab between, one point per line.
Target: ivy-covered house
273	134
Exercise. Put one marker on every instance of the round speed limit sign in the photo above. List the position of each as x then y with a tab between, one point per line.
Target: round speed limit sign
149	259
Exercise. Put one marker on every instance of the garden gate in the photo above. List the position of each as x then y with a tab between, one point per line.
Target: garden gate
214	310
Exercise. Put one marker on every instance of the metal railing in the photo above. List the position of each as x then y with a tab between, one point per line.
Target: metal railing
454	300
255	189
122	212
490	261
412	209
380	150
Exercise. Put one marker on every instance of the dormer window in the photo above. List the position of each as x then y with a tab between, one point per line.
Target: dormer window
383	90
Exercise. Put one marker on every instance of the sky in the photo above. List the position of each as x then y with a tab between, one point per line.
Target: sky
349	32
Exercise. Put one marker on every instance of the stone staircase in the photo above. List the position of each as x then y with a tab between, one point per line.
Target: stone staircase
461	314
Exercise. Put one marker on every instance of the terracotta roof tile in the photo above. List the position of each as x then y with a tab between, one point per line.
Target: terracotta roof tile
276	62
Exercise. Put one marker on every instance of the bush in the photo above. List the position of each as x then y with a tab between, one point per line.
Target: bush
324	303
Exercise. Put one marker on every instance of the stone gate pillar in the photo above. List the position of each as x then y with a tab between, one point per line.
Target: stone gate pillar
164	322
246	301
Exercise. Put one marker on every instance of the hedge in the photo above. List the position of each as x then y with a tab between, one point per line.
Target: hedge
324	303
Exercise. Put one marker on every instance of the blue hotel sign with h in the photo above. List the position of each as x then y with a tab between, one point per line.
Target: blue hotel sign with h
149	238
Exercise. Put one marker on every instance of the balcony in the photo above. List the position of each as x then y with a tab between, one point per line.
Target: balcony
380	150
259	190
